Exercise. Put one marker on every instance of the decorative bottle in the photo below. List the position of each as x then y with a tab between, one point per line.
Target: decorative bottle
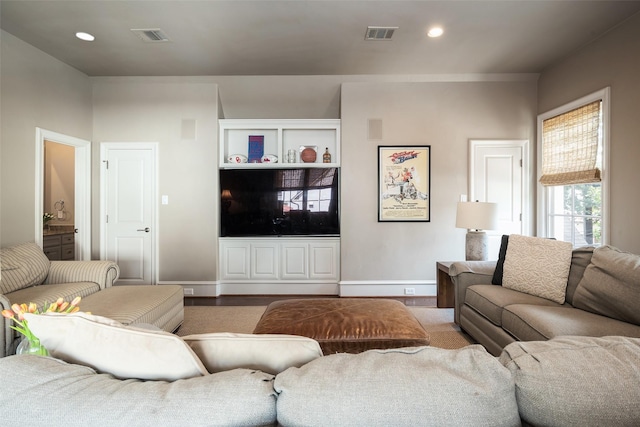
326	157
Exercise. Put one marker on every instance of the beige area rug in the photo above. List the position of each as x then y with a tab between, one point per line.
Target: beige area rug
242	319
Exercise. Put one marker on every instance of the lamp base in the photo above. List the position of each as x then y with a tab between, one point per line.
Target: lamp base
476	246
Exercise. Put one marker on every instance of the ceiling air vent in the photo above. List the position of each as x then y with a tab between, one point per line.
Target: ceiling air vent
152	35
379	33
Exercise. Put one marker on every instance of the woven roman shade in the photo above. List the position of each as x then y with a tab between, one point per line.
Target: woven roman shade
570	147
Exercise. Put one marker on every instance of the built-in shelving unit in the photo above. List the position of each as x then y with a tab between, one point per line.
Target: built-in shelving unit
280	136
279	265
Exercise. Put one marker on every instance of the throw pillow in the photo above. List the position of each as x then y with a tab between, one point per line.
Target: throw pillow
22	266
537	266
499	271
110	347
268	353
610	285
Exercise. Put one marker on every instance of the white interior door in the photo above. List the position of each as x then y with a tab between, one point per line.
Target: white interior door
129	188
497	174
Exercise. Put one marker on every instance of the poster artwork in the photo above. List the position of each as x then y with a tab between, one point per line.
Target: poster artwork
404	181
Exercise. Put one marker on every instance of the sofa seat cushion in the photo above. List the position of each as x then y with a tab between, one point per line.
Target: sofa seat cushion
77	395
576	381
22	266
161	306
43	294
398	387
489	300
535	322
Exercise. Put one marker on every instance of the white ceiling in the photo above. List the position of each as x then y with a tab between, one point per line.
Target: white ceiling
210	37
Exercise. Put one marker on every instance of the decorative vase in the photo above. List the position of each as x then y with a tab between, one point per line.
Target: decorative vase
31	347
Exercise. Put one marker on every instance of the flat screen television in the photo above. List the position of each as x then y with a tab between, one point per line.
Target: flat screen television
279	202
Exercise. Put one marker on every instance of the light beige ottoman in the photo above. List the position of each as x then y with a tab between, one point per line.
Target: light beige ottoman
161	306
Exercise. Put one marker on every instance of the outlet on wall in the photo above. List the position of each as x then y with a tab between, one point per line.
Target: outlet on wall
409	291
188	291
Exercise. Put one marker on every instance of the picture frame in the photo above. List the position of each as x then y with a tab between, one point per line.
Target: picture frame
404	183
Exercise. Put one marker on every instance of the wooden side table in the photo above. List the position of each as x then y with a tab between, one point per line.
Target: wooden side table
446	295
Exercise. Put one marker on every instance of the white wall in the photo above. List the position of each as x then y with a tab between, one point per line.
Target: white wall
612	61
37	91
440	114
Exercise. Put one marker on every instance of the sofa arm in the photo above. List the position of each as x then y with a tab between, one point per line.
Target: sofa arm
467	273
6	334
104	273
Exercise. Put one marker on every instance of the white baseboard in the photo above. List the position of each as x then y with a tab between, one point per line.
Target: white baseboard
278	288
196	289
343	289
406	288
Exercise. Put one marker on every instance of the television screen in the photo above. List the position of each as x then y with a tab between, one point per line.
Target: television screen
279	202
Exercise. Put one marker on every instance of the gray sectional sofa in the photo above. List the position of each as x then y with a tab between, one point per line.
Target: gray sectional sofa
568	381
602	298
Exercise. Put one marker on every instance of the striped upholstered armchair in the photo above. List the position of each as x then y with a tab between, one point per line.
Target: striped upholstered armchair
27	276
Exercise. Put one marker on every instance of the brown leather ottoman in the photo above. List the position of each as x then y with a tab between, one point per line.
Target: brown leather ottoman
345	325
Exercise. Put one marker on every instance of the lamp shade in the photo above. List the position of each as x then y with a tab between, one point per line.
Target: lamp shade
477	215
226	195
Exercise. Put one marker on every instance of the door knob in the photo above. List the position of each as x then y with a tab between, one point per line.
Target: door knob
146	229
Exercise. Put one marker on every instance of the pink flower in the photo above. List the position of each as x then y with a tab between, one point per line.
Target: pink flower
20	309
8	314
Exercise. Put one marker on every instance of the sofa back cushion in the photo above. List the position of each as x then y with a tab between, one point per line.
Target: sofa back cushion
611	285
537	266
399	387
273	354
580	260
576	381
110	347
22	266
49	391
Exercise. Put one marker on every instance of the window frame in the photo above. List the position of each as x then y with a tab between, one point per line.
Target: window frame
543	223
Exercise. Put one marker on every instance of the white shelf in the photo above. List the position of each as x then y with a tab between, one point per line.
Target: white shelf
279	137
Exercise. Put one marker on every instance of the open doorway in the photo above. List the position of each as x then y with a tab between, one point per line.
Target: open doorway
70	204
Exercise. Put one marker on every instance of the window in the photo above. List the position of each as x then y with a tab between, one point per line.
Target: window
572	148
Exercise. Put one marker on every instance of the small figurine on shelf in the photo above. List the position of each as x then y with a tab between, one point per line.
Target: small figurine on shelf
326	157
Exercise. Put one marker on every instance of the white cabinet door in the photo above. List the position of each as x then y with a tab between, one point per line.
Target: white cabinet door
295	260
264	261
235	260
324	260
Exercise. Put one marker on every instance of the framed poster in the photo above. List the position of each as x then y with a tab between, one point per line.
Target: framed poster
404	183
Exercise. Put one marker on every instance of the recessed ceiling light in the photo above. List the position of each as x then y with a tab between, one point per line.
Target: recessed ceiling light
85	36
435	32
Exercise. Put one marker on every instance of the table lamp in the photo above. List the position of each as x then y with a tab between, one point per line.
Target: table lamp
476	217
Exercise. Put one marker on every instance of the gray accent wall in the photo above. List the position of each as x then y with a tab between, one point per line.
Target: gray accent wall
613	60
37	91
444	115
